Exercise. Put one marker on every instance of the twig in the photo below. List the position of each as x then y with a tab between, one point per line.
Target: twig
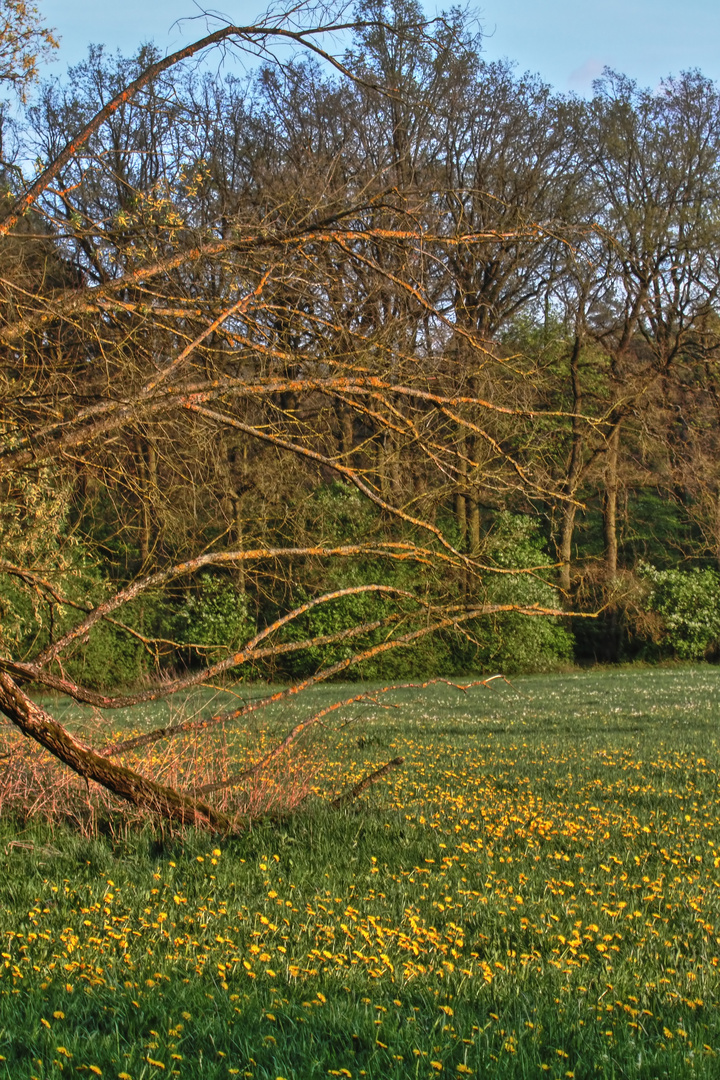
364	784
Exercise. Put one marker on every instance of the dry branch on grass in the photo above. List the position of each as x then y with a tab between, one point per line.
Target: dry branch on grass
367	781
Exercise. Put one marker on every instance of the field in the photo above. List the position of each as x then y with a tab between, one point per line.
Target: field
535	893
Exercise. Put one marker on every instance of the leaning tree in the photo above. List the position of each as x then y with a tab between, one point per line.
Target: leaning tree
208	291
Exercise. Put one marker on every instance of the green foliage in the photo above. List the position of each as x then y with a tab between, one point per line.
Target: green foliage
215	617
512	641
509	641
34	536
688	602
110	657
656	529
341	515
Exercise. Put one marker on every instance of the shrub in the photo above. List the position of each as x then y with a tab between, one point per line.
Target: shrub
512	641
688	602
215	617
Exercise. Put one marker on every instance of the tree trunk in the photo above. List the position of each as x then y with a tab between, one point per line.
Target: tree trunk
474	526
460	497
575	469
347	434
611	503
567	529
237	533
382	467
34	722
145	522
461	515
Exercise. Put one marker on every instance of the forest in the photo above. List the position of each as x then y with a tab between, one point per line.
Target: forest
387	362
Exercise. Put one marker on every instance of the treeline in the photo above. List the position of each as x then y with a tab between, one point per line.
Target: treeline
432	334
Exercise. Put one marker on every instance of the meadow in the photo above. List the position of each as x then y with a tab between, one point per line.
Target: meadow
534	893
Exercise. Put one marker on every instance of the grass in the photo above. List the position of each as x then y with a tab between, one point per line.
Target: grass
536	893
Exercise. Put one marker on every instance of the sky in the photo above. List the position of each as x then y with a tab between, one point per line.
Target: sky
568	42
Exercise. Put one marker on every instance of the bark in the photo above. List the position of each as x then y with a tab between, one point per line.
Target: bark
461	515
372	778
474	526
460	497
575	469
147	475
567	529
236	503
611	502
347	432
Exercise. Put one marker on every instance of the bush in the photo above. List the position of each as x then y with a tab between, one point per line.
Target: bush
512	641
688	602
215	617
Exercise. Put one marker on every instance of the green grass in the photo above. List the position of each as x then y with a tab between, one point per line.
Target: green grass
534	894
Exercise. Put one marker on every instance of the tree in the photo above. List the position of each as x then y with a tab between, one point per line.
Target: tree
24	43
657	159
226	323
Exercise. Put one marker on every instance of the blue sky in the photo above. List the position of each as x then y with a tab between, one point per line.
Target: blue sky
567	41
